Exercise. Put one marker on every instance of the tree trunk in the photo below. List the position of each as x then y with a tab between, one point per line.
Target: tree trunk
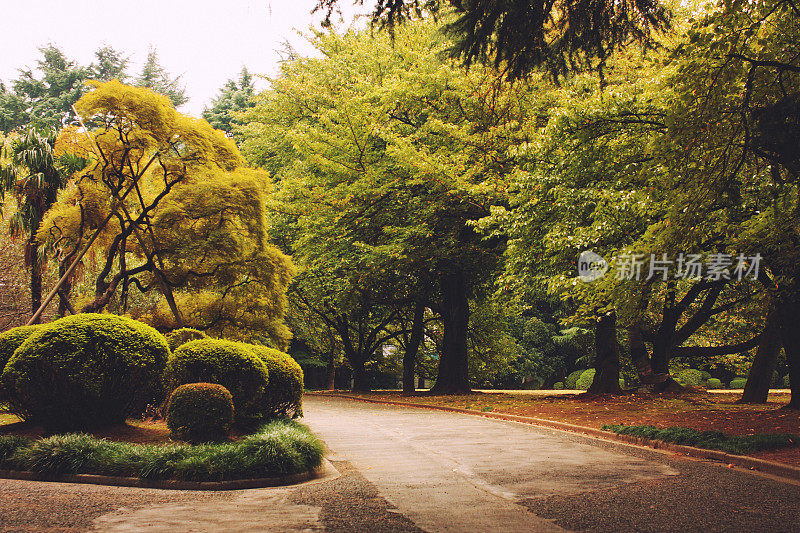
64	304
412	348
788	313
360	381
756	389
330	378
36	275
453	377
606	377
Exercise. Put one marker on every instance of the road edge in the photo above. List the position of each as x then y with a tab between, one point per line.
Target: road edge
748	463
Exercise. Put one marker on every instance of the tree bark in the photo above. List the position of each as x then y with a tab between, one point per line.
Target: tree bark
64	304
36	276
606	377
412	348
788	313
360	381
756	389
453	377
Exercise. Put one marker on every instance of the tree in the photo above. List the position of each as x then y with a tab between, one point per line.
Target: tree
235	97
153	76
519	37
177	212
34	176
45	100
384	152
109	65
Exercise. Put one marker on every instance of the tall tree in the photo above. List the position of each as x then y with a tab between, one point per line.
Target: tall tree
154	76
109	65
235	97
386	152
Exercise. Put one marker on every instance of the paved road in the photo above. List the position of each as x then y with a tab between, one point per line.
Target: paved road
404	469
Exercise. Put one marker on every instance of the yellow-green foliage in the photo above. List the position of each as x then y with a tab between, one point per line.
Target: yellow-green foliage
206	213
283	397
86	370
230	364
181	336
200	412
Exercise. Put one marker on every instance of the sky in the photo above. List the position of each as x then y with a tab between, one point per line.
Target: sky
207	42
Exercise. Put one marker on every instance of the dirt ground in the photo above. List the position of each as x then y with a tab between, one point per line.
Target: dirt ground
698	410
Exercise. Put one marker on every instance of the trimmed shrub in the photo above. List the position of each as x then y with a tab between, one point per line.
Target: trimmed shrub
786	382
585	379
230	364
558	385
10	340
706	375
179	337
690	377
621	383
85	371
200	412
284	394
714	383
572	379
737	383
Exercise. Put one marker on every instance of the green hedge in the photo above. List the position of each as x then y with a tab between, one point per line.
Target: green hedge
737	383
10	340
86	370
572	379
278	449
179	337
690	377
284	393
200	412
714	383
558	385
230	364
585	380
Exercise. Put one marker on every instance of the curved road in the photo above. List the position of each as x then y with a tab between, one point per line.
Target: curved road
406	469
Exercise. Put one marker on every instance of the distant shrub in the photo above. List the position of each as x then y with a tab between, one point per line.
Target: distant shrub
572	379
558	385
10	340
690	377
786	382
776	382
714	383
200	412
737	383
706	375
179	337
284	393
230	364
86	370
585	379
621	383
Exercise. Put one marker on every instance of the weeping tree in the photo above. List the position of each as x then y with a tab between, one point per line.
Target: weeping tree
177	213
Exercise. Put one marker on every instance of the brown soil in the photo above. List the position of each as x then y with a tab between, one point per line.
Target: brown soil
138	431
697	410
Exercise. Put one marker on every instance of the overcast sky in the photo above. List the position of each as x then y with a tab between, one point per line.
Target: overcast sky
206	41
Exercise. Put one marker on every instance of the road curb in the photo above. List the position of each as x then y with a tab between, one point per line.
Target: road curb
750	463
172	484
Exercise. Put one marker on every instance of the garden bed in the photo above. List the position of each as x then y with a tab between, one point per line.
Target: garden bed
279	451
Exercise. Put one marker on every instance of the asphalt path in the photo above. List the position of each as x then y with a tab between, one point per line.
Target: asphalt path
408	469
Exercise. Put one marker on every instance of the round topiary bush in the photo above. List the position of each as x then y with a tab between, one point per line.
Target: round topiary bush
230	364
200	412
86	370
283	397
737	383
10	340
179	337
572	379
690	377
714	383
585	379
558	385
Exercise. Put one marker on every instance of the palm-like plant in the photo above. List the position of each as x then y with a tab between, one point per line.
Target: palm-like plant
34	176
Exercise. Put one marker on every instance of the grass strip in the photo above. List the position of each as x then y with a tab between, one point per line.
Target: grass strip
277	449
710	440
